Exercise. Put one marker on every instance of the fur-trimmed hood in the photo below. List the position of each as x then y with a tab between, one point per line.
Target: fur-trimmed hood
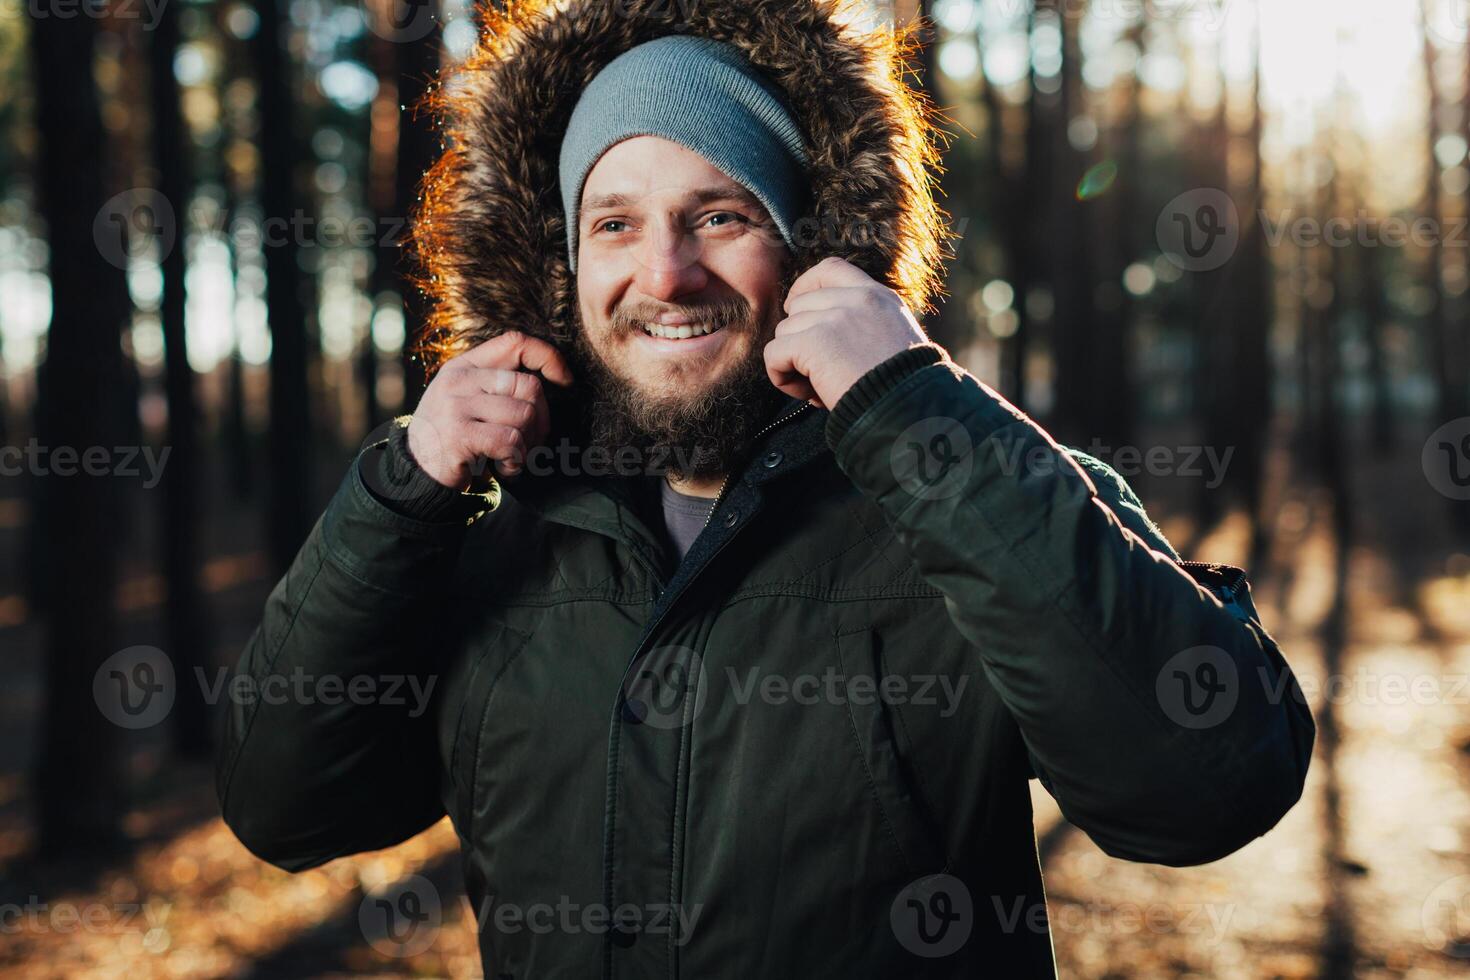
489	236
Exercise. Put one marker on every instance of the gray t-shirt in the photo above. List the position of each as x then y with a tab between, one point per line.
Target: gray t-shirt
684	516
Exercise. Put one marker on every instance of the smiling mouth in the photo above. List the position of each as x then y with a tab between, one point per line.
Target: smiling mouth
683	332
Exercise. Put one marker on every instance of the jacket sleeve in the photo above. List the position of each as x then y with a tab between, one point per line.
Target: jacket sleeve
1154	706
326	747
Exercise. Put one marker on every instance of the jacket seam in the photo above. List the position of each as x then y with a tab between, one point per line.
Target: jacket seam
807	572
352	572
832	595
255	708
863	759
520	647
925	794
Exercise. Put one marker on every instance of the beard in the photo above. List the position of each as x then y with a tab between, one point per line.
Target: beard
700	433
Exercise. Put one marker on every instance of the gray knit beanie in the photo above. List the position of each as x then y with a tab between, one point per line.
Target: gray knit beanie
702	94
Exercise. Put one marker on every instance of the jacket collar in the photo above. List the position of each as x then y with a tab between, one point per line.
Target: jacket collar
618	506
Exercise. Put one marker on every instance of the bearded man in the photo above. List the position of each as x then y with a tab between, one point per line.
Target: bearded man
747	613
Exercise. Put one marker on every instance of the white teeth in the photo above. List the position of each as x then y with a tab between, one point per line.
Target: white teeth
677	333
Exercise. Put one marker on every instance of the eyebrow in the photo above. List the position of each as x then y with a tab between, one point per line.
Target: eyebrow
702	196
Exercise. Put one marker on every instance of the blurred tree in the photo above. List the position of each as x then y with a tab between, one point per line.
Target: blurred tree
401	146
1449	379
1013	201
1214	323
1030	217
80	405
1375	312
1113	398
289	503
181	500
1251	369
1079	385
236	150
418	67
1327	342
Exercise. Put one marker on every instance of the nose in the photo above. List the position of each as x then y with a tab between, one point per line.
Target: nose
670	261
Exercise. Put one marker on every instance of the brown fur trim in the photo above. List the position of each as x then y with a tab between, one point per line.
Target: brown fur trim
489	237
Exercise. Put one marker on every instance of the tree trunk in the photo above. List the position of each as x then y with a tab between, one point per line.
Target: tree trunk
186	631
1216	311
289	502
1252	374
1073	329
80	405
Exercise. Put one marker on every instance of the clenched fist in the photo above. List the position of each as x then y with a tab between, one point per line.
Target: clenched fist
840	324
485	404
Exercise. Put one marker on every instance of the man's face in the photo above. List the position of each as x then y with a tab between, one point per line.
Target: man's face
681	277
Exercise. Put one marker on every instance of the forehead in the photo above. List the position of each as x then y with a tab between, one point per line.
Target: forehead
651	165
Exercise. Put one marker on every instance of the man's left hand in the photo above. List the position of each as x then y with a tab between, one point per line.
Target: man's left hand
840	324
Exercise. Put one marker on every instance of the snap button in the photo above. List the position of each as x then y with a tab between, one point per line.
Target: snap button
634	711
731	518
622	936
773	460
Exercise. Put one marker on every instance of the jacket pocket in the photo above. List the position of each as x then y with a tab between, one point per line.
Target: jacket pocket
877	731
488	657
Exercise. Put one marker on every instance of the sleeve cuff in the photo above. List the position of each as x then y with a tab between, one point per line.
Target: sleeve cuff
867	390
395	478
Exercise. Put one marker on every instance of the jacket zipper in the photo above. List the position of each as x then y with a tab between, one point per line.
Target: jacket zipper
651	629
726	482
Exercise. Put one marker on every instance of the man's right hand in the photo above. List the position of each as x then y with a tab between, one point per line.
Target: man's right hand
486	404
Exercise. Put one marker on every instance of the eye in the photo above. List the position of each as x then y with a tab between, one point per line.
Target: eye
729	214
607	224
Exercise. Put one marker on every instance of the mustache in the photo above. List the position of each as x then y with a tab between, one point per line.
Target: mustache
721	313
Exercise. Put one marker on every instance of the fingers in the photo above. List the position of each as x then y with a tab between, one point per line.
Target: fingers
514	350
468	381
833	297
504	445
784	371
831	271
802	321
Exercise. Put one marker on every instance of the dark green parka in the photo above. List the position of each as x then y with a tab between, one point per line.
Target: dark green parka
804	750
